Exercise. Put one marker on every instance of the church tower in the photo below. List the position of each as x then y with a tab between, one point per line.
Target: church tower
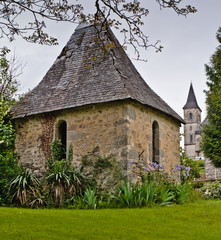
192	117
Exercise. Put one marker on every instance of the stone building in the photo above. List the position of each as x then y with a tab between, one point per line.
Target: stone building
192	118
193	135
99	104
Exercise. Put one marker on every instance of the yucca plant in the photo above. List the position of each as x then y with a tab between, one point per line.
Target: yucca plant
77	180
22	184
59	180
38	199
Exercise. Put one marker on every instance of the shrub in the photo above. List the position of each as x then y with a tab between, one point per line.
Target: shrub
8	161
211	190
194	172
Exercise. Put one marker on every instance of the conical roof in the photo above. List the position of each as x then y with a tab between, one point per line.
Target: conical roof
191	100
82	75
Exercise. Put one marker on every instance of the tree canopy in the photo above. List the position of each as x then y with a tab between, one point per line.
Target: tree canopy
28	18
211	142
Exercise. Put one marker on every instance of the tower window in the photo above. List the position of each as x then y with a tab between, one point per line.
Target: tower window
191	138
191	116
155	143
190	127
62	135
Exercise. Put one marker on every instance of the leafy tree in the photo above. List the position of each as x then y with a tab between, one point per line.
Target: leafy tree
28	18
8	162
211	141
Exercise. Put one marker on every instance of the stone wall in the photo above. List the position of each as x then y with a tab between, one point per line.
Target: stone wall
141	120
211	172
29	144
121	129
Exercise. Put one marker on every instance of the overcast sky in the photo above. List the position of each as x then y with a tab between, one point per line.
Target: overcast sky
188	44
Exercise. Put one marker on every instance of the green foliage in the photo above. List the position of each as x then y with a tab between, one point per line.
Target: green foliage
62	178
194	172
58	174
90	198
70	154
151	193
57	150
211	190
8	161
200	163
22	184
182	192
211	140
8	86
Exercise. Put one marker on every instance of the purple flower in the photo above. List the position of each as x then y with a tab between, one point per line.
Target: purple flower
145	169
178	175
131	162
151	164
146	181
183	166
184	174
187	168
174	170
178	168
188	174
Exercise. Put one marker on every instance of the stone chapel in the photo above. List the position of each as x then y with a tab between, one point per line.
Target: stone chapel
100	105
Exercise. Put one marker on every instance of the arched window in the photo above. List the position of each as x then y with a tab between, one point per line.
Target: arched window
191	116
155	142
62	135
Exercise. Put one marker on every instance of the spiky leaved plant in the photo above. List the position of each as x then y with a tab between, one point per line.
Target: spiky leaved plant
22	184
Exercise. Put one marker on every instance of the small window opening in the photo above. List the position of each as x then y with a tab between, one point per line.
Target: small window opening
62	136
191	116
191	138
155	143
190	127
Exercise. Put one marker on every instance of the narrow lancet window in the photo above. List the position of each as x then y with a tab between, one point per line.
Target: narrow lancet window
155	143
62	136
191	116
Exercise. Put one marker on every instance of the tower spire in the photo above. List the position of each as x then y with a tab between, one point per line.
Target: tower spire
191	100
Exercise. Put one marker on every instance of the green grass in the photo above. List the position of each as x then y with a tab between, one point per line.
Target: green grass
199	220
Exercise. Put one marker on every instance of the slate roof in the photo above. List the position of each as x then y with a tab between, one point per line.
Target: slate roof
191	100
81	75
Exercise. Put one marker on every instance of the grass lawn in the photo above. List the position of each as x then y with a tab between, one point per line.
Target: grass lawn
198	220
